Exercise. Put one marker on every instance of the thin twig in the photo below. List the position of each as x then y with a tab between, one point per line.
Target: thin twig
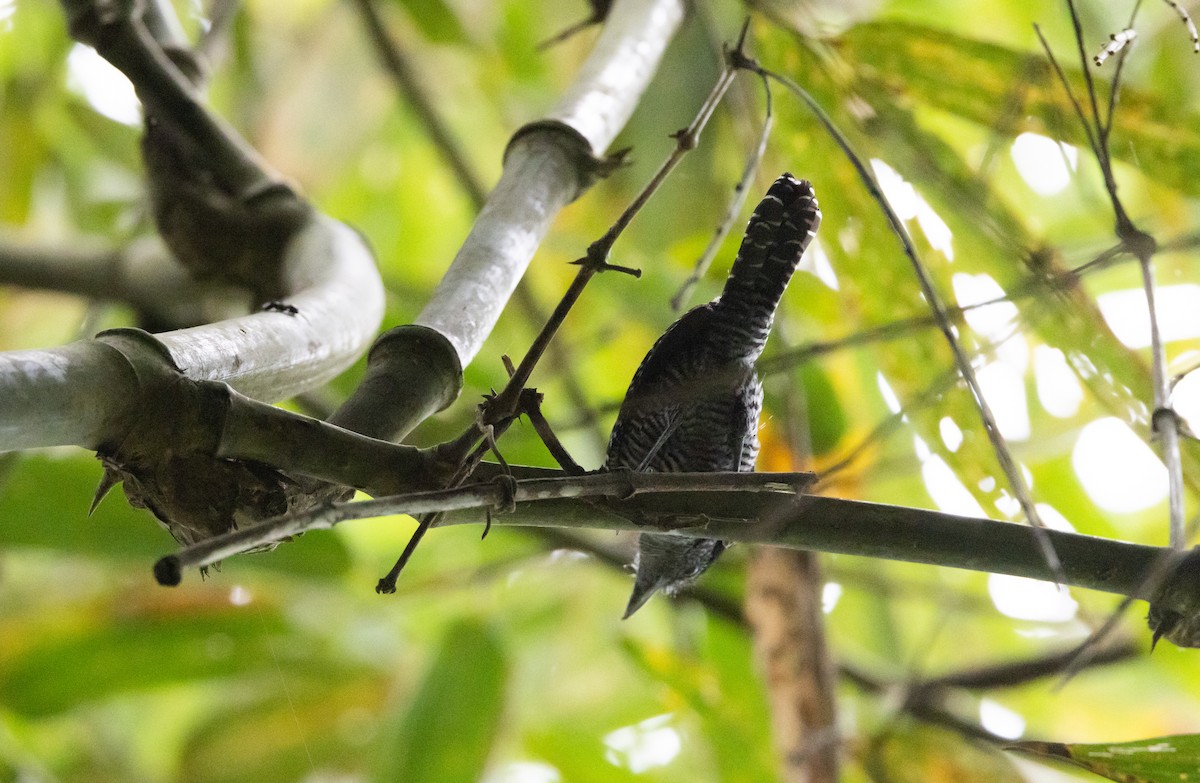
1165	420
405	76
466	466
599	11
558	361
1104	130
1015	673
617	485
502	409
596	259
532	405
1008	465
740	191
1088	80
1142	246
1187	21
927	699
1062	77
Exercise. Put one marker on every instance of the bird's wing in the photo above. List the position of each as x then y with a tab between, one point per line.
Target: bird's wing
673	419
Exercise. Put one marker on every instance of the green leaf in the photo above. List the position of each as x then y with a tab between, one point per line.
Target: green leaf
732	714
976	79
286	735
46	499
93	652
437	21
577	752
1157	760
447	732
826	419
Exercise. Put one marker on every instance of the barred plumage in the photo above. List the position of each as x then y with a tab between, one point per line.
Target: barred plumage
694	403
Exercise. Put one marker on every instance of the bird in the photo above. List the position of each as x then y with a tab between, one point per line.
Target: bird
693	404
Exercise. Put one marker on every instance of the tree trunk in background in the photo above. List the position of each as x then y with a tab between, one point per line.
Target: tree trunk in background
783	605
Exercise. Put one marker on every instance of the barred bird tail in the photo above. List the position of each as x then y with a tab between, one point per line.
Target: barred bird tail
780	229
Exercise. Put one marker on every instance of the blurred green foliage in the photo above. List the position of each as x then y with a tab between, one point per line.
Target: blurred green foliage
504	660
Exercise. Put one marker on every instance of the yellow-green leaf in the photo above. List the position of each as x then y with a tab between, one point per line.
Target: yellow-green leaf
1156	760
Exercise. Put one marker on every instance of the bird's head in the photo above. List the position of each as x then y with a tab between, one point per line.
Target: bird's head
669	563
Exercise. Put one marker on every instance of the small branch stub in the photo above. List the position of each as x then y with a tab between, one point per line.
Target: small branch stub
167	571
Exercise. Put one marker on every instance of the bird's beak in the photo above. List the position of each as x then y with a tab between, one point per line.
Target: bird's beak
642	590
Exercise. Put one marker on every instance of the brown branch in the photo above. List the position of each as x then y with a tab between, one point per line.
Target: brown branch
1013	674
404	74
533	409
783	607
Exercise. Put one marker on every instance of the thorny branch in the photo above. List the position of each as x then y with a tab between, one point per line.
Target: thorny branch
499	494
596	258
408	83
746	507
499	411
